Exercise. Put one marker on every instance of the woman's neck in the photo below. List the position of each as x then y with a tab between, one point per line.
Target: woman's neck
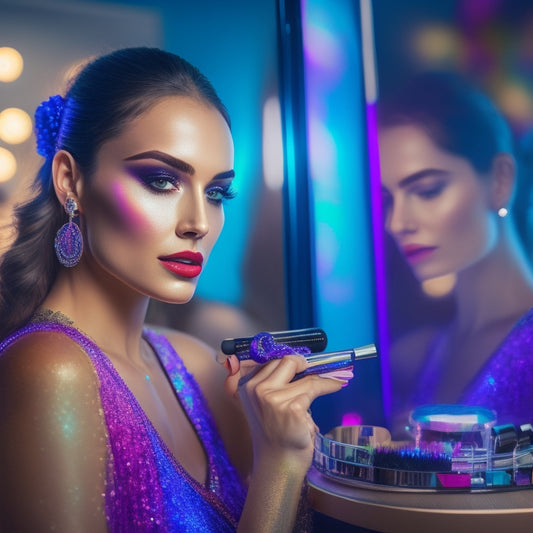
106	310
499	287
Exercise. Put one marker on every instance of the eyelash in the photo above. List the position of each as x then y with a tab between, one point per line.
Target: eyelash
150	179
426	193
221	193
430	192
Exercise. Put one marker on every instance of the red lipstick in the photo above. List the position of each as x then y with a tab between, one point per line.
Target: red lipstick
417	252
187	264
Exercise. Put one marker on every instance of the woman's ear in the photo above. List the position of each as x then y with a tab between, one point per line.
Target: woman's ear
504	177
67	178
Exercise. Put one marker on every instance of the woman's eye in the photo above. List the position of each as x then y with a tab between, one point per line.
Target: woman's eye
217	195
162	184
430	192
160	181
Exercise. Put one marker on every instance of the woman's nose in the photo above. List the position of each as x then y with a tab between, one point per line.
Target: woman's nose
400	219
192	216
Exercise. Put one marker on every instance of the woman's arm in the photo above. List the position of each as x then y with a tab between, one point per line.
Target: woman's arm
283	434
52	438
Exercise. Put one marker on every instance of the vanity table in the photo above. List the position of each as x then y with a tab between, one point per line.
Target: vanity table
422	512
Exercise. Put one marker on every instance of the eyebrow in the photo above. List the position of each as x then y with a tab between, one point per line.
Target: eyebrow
176	163
427	172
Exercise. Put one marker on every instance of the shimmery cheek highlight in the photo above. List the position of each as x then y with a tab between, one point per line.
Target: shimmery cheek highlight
129	210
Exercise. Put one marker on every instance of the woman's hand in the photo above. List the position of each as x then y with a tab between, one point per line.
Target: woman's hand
283	434
276	408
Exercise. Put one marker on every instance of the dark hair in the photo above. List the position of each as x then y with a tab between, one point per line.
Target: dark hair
456	116
102	100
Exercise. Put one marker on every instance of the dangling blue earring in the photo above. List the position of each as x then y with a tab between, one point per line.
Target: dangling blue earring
68	242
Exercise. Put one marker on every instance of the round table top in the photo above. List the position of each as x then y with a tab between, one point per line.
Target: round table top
417	511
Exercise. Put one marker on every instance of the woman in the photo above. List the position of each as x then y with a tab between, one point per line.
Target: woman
105	427
448	175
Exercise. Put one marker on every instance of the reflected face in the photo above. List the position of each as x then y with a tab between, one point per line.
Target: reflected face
437	208
152	210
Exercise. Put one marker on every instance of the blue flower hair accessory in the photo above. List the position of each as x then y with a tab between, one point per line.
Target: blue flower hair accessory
263	348
47	124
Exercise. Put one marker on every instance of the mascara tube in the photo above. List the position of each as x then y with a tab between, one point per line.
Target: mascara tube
313	338
323	363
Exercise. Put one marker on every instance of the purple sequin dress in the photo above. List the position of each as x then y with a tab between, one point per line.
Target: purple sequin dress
504	383
146	488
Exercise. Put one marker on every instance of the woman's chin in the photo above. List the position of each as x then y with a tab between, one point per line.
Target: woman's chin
438	286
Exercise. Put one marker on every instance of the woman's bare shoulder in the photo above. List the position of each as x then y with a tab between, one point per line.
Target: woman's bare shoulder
46	359
50	408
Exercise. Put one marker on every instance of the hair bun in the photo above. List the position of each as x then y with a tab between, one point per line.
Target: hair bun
47	123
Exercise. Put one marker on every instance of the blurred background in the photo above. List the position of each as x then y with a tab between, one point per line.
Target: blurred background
302	244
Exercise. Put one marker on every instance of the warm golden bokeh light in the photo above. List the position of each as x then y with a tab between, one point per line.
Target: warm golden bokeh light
435	43
8	165
515	101
11	64
15	125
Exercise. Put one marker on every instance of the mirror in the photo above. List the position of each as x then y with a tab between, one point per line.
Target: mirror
459	289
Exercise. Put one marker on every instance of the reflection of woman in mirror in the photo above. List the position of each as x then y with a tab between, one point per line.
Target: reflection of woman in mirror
449	176
104	426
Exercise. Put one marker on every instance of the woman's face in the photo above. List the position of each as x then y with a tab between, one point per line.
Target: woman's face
437	208
152	210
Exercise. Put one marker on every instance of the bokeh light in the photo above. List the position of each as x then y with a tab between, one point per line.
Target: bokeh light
15	125
351	419
8	165
434	43
11	64
322	47
516	102
272	144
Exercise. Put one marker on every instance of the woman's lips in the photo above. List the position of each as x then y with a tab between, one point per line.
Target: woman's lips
416	252
186	264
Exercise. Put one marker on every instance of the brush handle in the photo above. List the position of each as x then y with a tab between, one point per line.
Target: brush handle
323	363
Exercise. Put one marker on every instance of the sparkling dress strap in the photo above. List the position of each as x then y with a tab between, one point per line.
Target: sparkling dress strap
223	481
